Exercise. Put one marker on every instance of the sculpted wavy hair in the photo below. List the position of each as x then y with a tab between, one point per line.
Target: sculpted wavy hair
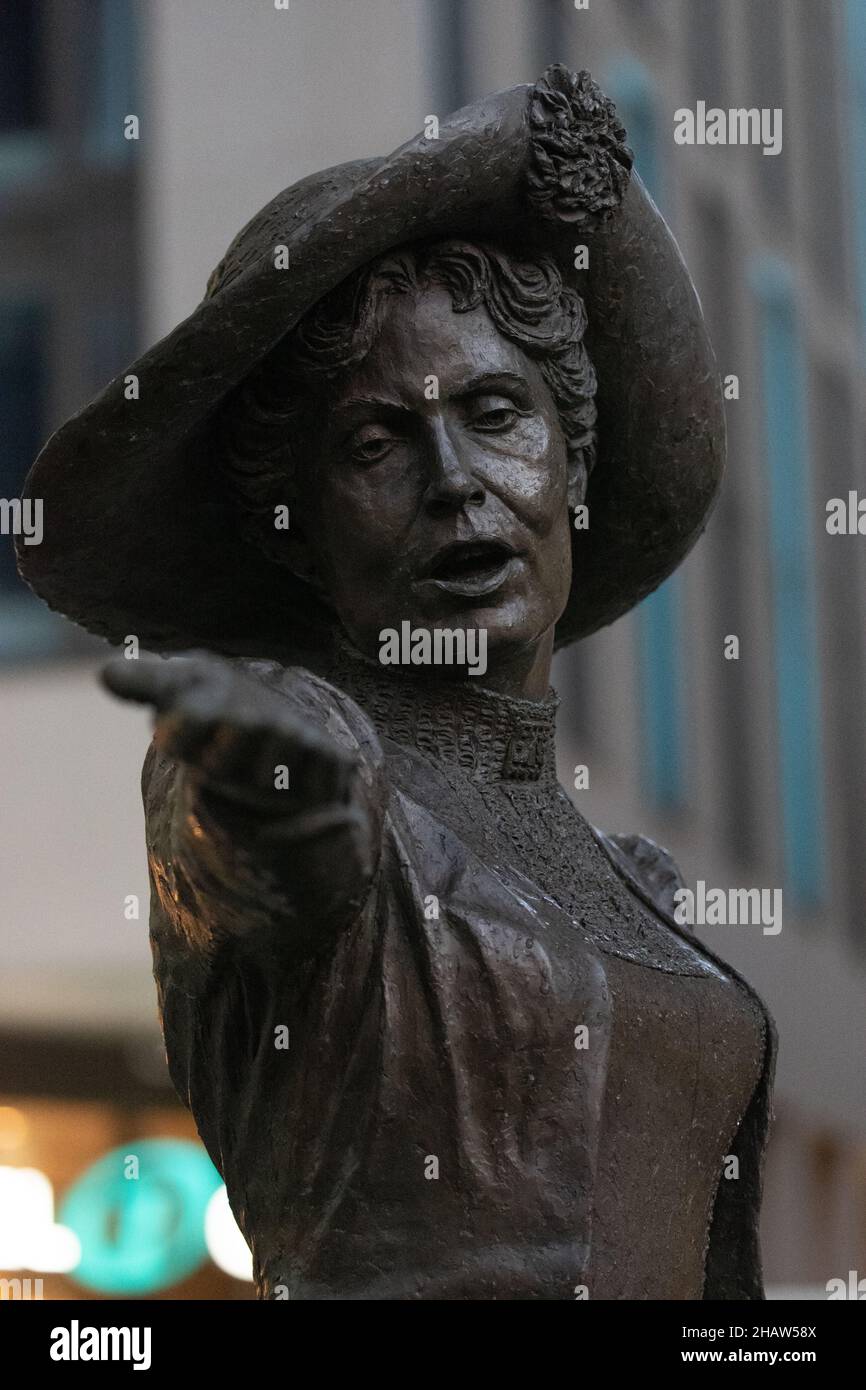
267	420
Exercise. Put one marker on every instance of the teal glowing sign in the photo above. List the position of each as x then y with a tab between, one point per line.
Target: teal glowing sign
139	1214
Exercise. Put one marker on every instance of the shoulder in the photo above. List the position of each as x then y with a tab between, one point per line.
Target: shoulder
324	704
646	865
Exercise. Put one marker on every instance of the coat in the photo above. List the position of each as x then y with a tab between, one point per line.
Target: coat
362	1006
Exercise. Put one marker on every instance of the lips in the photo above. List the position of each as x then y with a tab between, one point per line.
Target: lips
471	568
465	559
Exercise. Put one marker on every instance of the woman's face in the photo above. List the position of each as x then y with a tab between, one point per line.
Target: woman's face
439	486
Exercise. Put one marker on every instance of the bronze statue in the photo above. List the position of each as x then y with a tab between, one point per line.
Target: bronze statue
442	1038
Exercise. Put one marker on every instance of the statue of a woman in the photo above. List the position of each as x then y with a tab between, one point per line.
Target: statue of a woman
438	413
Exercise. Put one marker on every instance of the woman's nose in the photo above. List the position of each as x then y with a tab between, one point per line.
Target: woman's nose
452	483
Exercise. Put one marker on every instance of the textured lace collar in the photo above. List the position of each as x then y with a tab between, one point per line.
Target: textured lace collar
491	737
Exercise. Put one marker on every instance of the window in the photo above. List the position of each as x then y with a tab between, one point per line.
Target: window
109	47
20	88
794	645
658	617
23	133
77	69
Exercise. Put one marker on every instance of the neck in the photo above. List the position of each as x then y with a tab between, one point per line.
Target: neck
520	671
524	672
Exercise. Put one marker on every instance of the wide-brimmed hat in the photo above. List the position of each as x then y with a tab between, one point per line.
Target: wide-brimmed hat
141	534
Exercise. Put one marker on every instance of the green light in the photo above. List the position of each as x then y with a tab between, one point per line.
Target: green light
140	1234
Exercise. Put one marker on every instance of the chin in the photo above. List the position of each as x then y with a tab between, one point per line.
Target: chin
509	627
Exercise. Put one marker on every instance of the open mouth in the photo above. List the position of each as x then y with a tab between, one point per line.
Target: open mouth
471	567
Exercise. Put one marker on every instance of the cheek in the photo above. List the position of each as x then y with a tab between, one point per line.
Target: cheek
559	545
366	510
553	559
546	512
354	543
554	571
539	487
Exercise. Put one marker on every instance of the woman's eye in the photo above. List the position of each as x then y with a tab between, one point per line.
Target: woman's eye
495	418
372	449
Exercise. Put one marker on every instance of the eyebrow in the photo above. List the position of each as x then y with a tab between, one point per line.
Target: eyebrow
369	402
489	380
483	381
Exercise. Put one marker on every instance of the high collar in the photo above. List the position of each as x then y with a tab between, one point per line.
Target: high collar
490	736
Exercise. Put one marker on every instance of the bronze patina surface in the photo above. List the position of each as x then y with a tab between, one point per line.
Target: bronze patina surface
442	1038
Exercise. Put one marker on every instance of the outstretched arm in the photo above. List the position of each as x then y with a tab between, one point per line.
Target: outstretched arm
259	817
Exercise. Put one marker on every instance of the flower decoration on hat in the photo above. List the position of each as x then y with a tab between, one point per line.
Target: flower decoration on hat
580	163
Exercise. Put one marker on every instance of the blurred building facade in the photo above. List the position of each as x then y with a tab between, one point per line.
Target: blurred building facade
750	770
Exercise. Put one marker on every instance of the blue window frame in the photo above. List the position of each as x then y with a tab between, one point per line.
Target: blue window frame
112	92
795	651
659	653
24	141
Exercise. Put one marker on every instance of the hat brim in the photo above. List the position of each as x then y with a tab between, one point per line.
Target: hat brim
140	535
